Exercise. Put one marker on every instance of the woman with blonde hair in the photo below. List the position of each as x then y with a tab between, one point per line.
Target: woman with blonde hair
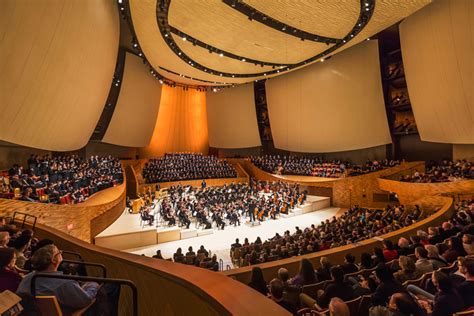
408	270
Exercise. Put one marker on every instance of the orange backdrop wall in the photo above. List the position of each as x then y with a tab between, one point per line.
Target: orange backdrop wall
181	124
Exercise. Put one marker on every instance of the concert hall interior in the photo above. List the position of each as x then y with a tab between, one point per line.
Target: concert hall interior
237	157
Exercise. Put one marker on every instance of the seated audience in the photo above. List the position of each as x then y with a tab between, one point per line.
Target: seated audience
276	290
408	270
257	282
70	294
293	165
444	172
387	285
306	274
423	264
186	166
9	278
64	179
466	288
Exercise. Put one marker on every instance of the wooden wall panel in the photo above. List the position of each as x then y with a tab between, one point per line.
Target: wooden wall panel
57	60
437	44
409	192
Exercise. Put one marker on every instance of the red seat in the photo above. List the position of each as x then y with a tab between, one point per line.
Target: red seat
62	200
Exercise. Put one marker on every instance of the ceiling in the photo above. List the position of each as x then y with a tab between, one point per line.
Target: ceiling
223	42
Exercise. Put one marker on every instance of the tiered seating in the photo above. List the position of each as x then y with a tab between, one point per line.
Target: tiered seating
62	180
445	172
186	166
371	290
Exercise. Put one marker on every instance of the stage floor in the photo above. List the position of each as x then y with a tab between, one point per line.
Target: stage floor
220	240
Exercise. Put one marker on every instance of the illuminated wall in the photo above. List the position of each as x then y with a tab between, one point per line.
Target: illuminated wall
181	124
57	61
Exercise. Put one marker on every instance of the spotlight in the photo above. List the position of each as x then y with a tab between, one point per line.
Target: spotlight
179	53
184	38
214	89
135	45
120	1
243	59
221	55
366	4
140	54
233	76
322	60
368	39
283	28
166	35
352	35
161	81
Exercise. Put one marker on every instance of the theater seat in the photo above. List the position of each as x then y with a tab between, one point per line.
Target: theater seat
49	306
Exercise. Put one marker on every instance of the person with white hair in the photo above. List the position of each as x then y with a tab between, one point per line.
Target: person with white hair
433	256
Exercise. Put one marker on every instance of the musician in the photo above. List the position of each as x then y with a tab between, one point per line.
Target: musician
217	217
169	217
233	217
183	218
251	210
146	216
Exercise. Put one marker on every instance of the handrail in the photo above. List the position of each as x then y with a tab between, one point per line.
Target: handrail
88	279
72	253
25	216
92	264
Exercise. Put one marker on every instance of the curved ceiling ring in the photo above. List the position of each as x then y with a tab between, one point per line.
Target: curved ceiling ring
367	8
261	17
216	50
125	11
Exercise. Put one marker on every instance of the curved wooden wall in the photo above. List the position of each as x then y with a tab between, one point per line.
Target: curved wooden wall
409	193
88	218
336	255
167	288
345	191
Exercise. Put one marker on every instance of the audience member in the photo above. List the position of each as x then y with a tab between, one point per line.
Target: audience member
257	282
9	278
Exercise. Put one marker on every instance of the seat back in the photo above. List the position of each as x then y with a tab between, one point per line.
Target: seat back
418	282
190	259
364	305
312	289
48	306
354	306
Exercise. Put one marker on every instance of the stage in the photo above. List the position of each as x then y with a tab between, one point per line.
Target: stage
128	234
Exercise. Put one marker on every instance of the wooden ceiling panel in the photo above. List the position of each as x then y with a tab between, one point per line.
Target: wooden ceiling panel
219	25
326	18
214	61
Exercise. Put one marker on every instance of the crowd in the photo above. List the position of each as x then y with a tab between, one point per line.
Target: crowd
186	166
316	167
63	179
228	204
355	225
305	166
373	166
431	273
444	172
22	255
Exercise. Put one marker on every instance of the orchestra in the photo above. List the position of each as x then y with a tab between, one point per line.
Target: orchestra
225	205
